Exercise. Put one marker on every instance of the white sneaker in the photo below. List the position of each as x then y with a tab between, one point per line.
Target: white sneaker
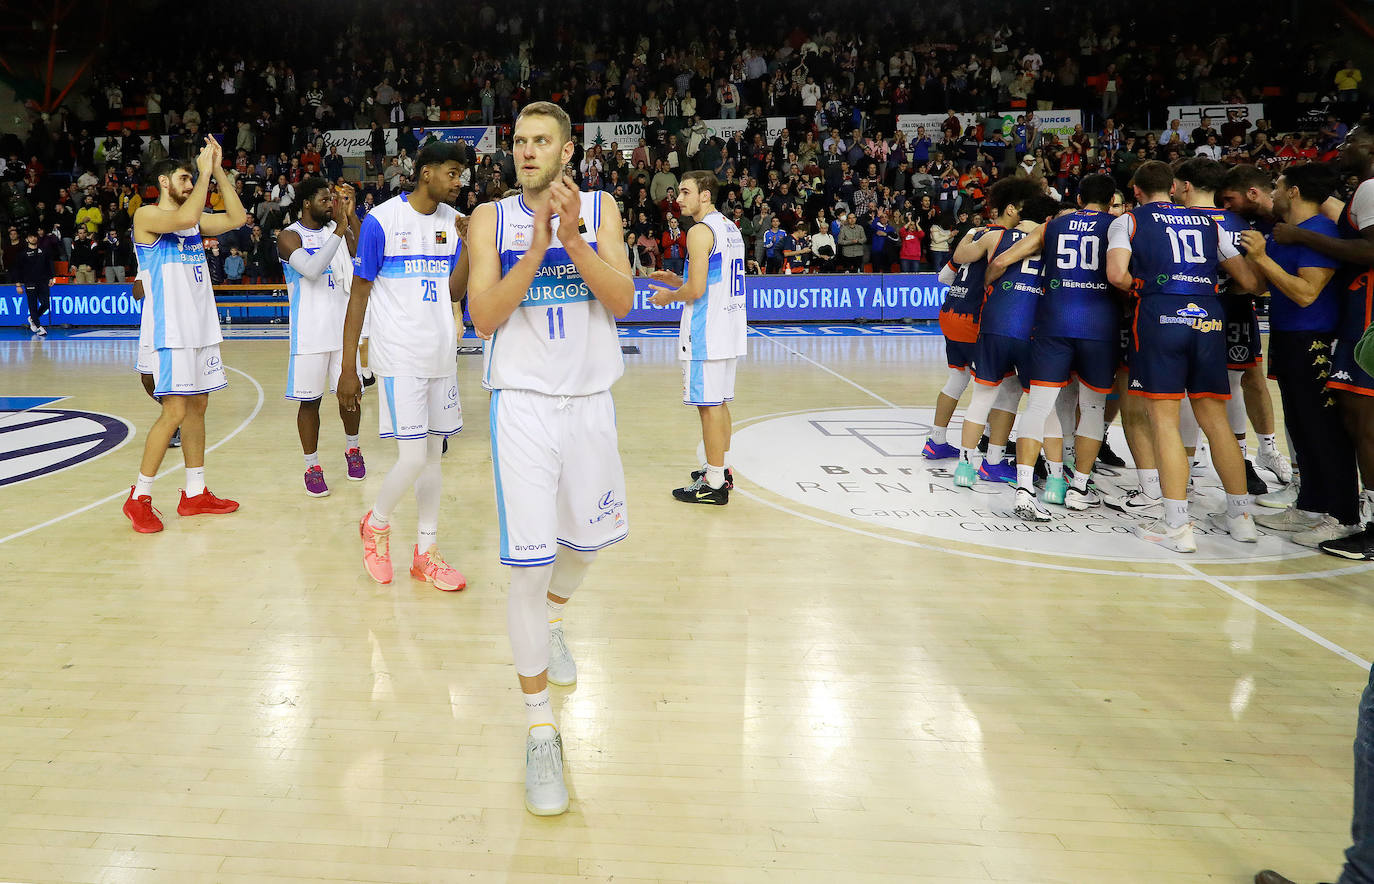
1178	539
1327	529
1240	527
1138	503
1082	500
1291	519
1275	462
1028	509
562	667
33	326
1283	498
545	792
42	332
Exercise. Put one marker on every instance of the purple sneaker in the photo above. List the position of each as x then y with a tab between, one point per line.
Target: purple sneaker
997	472
356	468
939	450
314	482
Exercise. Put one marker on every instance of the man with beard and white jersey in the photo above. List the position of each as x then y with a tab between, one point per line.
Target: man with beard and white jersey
546	298
713	330
317	262
410	271
179	334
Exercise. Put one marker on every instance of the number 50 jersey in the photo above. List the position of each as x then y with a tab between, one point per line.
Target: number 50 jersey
408	257
560	341
713	326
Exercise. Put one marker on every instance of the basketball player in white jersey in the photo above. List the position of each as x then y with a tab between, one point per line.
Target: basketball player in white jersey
410	271
547	297
712	333
317	262
179	336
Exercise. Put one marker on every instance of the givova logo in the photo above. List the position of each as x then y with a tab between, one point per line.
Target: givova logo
866	465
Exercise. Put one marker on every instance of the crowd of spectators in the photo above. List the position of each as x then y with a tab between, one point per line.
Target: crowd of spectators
839	189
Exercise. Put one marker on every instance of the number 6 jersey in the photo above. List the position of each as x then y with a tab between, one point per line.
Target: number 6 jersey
179	306
713	326
408	257
560	341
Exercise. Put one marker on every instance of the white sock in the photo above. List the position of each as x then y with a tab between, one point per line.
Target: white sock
195	481
1237	504
939	435
1080	481
1056	469
367	372
715	476
1244	449
996	453
1149	483
555	611
969	455
312	460
539	715
725	460
350	443
1025	477
144	486
1175	512
427	536
1267	443
379	520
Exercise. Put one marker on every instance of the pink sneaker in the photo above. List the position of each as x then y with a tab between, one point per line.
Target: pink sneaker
431	567
376	549
356	468
314	482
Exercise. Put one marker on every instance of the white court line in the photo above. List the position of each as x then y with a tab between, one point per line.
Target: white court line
123	492
1279	618
853	384
1190	572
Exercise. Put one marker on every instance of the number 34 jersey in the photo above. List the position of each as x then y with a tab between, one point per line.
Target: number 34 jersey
713	326
179	305
561	340
408	256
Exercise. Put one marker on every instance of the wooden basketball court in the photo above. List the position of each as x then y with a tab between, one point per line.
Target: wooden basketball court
803	686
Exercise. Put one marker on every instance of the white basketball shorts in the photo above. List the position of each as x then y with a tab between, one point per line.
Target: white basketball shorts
558	474
183	371
708	381
310	375
413	408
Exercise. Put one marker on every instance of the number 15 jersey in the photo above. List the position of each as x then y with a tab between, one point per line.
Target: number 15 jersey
560	341
408	257
713	326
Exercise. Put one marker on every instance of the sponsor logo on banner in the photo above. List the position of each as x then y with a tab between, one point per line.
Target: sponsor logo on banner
482	138
356	142
1192	114
1058	122
625	134
810	298
864	465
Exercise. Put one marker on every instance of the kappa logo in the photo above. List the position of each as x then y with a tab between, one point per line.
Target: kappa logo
1137	385
1342	376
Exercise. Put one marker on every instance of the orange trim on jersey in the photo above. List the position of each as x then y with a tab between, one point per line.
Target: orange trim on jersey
1078	377
1155	395
1349	388
1222	396
1049	384
1135	326
959	327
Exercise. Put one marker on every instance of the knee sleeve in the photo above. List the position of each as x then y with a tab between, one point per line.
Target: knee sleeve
1008	395
981	404
1066	407
410	461
1187	424
569	568
957	382
1235	406
1092	414
1034	421
527	619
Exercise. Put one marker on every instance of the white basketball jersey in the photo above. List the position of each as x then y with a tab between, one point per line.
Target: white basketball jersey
318	306
178	303
713	326
408	258
560	341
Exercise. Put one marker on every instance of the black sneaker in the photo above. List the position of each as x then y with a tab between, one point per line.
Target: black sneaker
700	492
1254	485
1105	455
175	441
369	380
1357	546
697	475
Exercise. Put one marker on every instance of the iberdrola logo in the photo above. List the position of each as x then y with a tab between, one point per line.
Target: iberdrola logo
1161	279
1054	283
1006	286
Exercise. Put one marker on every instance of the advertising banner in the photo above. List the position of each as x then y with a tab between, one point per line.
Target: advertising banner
815	298
1059	122
625	134
107	305
1192	114
482	138
356	142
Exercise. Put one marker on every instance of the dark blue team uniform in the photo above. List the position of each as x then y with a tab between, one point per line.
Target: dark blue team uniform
1078	320
1003	347
1357	312
963	308
1180	325
1243	342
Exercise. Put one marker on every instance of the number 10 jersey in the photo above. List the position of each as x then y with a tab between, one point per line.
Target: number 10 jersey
561	340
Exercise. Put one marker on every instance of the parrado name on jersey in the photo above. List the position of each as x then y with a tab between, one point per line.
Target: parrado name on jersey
1187	220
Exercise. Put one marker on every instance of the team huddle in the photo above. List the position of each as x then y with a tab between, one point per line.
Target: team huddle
544	278
1152	312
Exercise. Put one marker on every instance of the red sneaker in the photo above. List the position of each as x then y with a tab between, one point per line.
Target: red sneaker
140	511
204	504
